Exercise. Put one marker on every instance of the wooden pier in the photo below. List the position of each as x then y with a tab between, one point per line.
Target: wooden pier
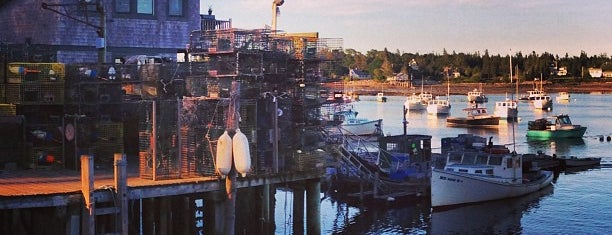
62	188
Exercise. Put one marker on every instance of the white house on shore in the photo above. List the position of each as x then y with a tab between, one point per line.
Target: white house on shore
596	72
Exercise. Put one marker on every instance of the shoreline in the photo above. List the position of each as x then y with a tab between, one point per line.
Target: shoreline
396	89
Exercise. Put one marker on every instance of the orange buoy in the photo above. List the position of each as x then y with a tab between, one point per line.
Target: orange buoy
50	158
242	155
224	155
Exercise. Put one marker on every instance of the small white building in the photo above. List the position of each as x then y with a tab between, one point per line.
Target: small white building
562	71
595	72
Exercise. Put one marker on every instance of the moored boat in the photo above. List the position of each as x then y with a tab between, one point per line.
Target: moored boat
476	96
559	126
563	95
380	97
507	109
532	94
415	102
580	162
543	102
477	176
352	125
438	106
476	117
361	126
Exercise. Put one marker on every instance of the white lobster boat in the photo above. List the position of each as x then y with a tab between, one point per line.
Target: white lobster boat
470	177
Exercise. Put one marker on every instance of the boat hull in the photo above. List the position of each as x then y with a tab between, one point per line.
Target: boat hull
438	109
415	106
578	162
559	133
373	127
473	122
506	113
506	110
453	188
543	104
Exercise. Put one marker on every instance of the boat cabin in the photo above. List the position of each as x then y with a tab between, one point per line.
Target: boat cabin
503	166
476	111
506	104
534	93
542	97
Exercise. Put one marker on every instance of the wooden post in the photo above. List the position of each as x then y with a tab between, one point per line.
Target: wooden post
313	202
87	188
298	209
218	212
122	193
232	124
265	208
179	155
164	215
153	139
230	204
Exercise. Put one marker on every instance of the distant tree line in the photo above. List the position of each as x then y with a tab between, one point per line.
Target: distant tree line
472	67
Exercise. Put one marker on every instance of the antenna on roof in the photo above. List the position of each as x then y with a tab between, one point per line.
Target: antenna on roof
275	12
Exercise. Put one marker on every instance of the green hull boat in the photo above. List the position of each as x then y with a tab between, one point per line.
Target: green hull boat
576	132
559	126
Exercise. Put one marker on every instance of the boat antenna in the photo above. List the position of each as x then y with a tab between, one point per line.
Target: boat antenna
405	122
513	133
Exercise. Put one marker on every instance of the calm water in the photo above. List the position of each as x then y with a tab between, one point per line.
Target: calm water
579	202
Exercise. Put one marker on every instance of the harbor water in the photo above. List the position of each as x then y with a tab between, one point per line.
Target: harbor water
578	202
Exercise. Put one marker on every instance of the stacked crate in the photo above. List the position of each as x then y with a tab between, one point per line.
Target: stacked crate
35	83
37	91
159	141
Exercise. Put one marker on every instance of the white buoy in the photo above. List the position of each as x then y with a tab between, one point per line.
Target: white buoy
242	155
224	154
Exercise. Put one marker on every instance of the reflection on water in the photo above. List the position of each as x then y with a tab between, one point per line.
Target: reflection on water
515	216
495	217
561	146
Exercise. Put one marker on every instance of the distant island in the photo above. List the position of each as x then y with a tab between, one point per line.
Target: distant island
371	87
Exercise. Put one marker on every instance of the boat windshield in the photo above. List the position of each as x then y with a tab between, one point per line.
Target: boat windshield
495	160
564	120
481	159
469	158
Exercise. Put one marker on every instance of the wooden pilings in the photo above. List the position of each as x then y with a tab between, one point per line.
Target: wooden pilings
298	209
121	199
313	202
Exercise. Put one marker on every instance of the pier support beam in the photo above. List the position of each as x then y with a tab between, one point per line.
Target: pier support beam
313	202
219	212
265	209
164	215
87	188
230	203
122	193
298	209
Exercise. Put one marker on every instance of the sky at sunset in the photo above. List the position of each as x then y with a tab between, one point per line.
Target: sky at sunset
424	26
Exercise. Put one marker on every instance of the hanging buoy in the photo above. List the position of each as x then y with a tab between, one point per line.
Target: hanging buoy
224	154
609	138
242	155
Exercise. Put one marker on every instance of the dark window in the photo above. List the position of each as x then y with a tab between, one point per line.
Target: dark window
122	6
175	7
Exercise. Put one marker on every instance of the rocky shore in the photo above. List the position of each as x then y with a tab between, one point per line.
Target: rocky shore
371	88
